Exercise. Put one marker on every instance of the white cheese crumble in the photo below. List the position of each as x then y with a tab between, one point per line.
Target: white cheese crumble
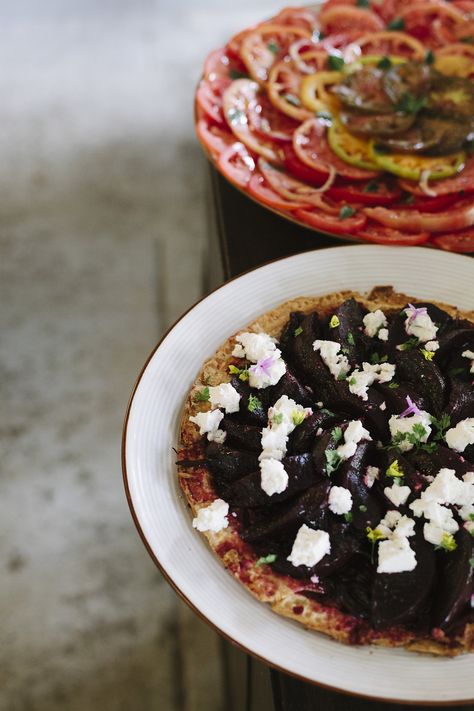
254	346
459	437
267	371
360	380
419	324
340	500
309	547
354	433
208	423
226	396
394	525
337	363
432	346
371	474
383	334
283	417
405	426
396	556
274	478
213	517
274	441
469	477
373	322
398	495
469	354
383	406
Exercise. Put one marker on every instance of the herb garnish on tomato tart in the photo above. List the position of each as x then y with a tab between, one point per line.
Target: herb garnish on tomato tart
327	454
329	115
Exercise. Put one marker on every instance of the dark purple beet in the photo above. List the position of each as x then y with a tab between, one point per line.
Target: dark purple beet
455	339
228	464
287	337
368	410
257	415
323	443
424	375
308	363
354	584
455	581
441	458
461	401
398	598
348	333
289	385
366	510
242	436
396	398
248	490
345	541
302	438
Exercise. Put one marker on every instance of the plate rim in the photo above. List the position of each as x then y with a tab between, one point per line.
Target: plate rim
154	557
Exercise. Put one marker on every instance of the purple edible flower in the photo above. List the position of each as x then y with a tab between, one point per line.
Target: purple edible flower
412	409
414	312
263	366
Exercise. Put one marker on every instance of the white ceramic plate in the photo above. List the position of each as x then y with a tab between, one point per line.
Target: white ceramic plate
162	517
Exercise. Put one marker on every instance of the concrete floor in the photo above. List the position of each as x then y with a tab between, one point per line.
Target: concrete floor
102	243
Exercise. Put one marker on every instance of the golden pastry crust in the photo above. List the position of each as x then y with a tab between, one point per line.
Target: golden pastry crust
282	592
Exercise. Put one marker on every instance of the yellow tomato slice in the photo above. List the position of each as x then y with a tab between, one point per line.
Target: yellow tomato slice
314	94
455	65
413	167
351	149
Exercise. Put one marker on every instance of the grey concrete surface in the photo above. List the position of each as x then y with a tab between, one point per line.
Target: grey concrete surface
102	244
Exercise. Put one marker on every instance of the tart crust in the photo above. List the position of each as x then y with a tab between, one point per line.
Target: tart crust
284	593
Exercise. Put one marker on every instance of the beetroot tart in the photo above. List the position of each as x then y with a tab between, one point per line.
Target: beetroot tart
327	454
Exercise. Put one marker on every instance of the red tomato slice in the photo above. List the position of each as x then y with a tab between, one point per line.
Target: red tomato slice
465	6
343	18
237	101
261	190
435	24
332	223
290	188
385	235
301	170
430	204
220	64
283	89
462	182
457	242
268	122
312	148
266	45
374	192
458	218
340	40
214	138
209	98
387	42
237	164
301	17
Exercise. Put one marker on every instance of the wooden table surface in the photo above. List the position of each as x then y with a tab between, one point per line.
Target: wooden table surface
236	245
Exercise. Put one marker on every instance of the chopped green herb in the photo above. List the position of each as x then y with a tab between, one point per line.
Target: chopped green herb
266	559
236	116
324	115
336	63
395	470
350	339
292	99
254	404
298	331
393	385
278	418
341	376
298	417
235	74
363	508
334	322
346	211
471	517
243	373
469	39
441	425
429	57
397	24
348	517
428	355
471	562
408	199
327	412
202	395
352	381
375	358
345	350
447	543
385	63
415	436
430	448
336	435
409	345
410	104
363	3
273	47
456	371
333	461
378	148
374	534
371	187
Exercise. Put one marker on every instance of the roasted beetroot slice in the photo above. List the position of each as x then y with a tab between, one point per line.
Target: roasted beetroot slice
366	510
461	401
302	439
429	463
425	376
455	581
367	410
396	398
398	598
305	507
354	584
413	477
309	364
324	443
345	542
241	435
290	333
248	490
348	332
257	414
452	340
289	385
228	464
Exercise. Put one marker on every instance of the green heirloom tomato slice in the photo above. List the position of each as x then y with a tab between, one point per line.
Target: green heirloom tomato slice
351	149
413	167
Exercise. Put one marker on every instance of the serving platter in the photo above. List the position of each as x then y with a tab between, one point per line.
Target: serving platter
268	93
164	523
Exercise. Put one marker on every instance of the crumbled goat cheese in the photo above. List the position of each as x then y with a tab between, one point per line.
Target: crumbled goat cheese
371	474
383	406
431	346
469	477
254	346
395	556
459	437
208	423
433	534
469	354
334	360
419	324
360	380
405	425
274	442
213	517
309	547
267	371
274	478
373	322
396	525
226	396
398	495
353	434
340	500
383	334
275	437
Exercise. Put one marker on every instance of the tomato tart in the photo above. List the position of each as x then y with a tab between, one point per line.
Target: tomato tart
353	119
327	454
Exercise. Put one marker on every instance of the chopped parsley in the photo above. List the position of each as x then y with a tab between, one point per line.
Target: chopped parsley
235	74
441	425
325	115
336	63
395	470
363	3
363	508
469	39
385	63
346	211
352	381
278	418
292	99
336	435
334	322
298	331
415	438
410	104
429	57
371	187
408	200
243	373
348	517
447	543
273	47
393	385
397	24
409	345
266	559
375	358
350	339
471	562
333	461
202	395
254	404
456	371
325	411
